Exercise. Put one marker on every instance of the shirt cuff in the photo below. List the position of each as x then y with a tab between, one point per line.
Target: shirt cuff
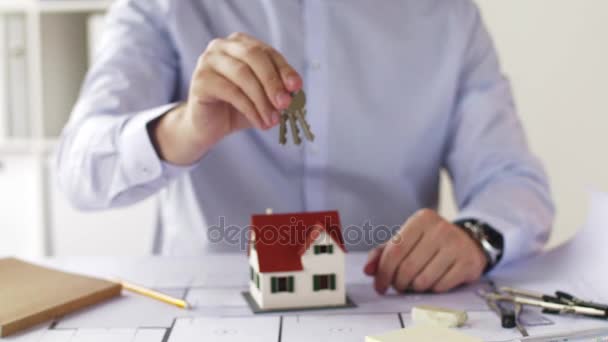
515	243
142	163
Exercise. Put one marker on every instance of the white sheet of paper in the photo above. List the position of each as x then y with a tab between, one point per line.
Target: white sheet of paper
368	301
573	267
336	328
104	335
28	335
89	335
568	324
233	329
128	311
57	336
41	335
200	298
149	335
422	333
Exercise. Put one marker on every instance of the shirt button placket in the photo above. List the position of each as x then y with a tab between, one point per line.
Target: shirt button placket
316	75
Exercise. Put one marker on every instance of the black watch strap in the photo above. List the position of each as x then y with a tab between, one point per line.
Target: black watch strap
489	239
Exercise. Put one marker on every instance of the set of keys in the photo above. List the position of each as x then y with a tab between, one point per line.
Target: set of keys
295	114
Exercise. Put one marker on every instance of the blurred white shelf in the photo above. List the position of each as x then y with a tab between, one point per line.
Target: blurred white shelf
27	146
36	218
73	5
11	6
55	6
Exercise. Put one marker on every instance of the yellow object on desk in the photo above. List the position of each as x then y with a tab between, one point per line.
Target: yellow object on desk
423	333
426	314
154	295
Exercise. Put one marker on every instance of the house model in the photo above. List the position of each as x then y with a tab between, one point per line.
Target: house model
297	261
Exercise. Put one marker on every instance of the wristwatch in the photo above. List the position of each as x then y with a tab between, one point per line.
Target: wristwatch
488	238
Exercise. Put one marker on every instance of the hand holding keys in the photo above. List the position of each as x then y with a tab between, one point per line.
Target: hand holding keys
239	83
296	113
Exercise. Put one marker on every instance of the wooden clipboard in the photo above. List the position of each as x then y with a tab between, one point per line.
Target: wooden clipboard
30	294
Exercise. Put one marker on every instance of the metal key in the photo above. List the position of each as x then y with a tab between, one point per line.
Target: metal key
296	113
298	108
295	132
298	101
300	115
283	129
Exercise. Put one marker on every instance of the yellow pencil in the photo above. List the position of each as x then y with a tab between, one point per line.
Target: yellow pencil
154	295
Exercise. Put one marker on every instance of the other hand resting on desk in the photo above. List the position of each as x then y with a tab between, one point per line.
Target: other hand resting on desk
428	253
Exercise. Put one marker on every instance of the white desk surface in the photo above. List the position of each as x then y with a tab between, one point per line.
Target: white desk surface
213	285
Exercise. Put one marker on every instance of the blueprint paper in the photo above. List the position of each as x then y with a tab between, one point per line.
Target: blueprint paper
199	298
104	335
337	328
128	311
89	335
214	283
227	329
368	300
149	335
41	335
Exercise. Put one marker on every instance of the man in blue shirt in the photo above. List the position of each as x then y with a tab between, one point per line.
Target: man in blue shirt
183	100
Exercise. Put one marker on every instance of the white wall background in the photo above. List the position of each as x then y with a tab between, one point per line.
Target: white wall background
556	54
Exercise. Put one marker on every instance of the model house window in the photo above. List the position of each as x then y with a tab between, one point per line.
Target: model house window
254	276
324	282
281	284
324	249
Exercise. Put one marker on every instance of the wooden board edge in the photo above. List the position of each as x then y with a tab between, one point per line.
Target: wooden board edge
54	313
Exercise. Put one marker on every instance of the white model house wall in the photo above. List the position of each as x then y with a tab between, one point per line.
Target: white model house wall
304	294
254	267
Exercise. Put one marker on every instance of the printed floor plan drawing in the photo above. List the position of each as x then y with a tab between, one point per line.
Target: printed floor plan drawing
221	314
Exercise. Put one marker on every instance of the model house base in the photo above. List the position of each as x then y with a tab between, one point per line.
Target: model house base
255	308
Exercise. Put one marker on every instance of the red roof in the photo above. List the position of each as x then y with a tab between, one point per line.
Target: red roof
281	239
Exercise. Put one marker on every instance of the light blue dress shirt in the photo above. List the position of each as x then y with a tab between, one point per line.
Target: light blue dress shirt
397	91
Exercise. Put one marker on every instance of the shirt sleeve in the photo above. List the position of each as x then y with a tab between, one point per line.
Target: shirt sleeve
105	156
495	176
